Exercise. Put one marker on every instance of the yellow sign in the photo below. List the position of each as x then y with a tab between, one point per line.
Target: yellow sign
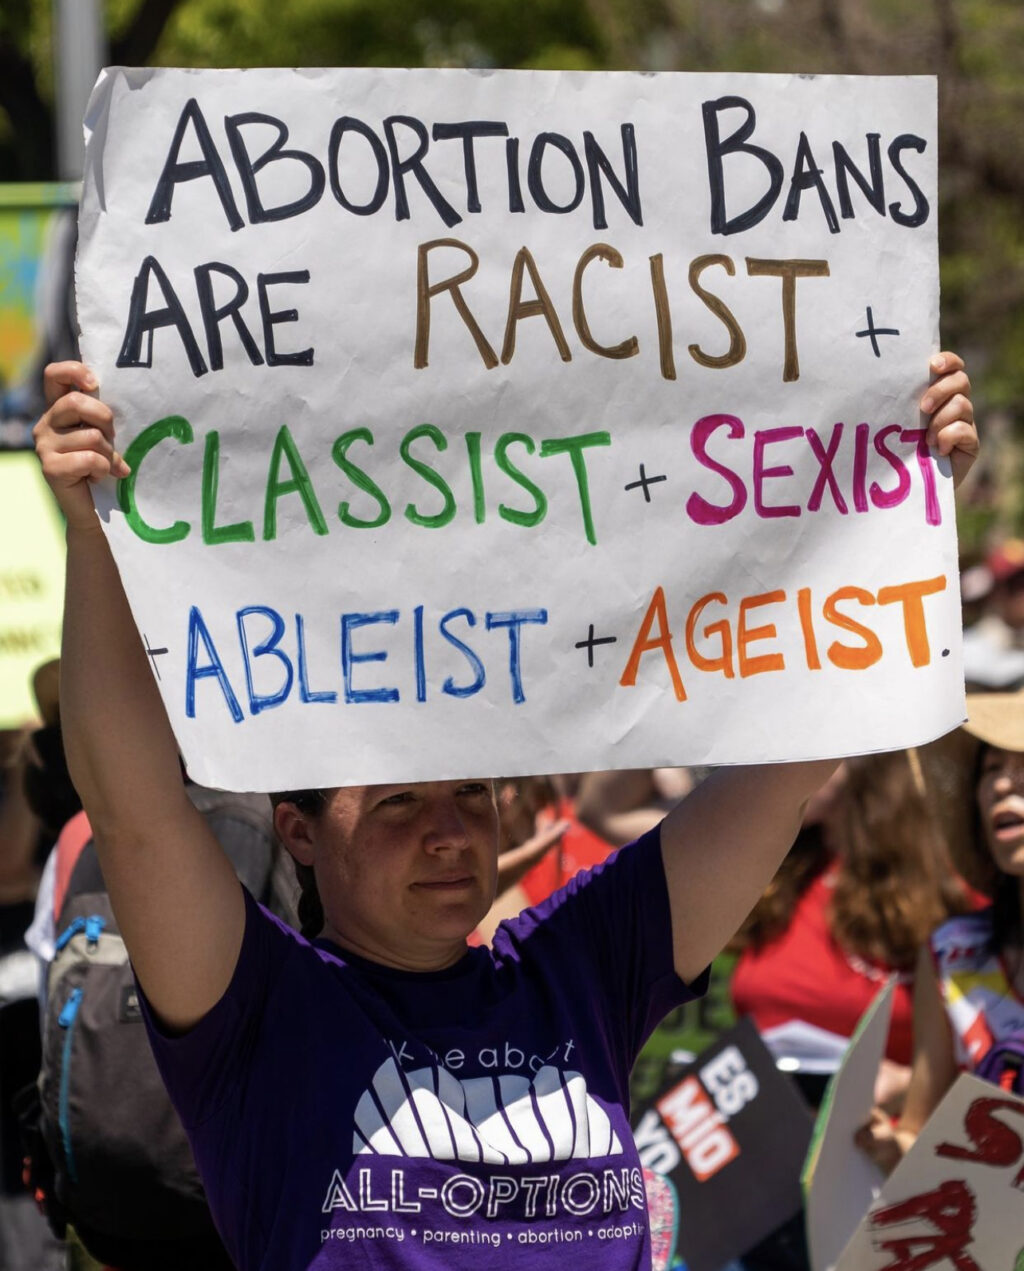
31	582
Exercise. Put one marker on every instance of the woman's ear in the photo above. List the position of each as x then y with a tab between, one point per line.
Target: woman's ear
293	829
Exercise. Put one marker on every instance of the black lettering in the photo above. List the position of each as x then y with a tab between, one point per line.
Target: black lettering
873	191
248	167
598	163
907	141
515	188
467	132
143	323
350	124
806	176
210	165
271	318
717	149
534	175
414	164
214	315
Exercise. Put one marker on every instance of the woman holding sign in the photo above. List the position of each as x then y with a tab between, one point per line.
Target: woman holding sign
969	984
384	1096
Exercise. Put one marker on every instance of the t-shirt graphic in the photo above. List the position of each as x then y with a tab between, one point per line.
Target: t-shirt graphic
498	1120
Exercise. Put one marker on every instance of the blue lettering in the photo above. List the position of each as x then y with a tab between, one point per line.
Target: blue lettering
349	659
264	701
513	621
421	669
196	631
323	695
449	686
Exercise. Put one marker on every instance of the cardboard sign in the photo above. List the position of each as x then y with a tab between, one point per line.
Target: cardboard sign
31	583
507	422
730	1131
957	1198
839	1181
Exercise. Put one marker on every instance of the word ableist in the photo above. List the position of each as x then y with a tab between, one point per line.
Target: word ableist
554	172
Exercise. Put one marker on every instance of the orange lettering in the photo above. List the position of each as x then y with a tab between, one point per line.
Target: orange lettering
744	636
842	655
645	644
720	629
911	595
803	602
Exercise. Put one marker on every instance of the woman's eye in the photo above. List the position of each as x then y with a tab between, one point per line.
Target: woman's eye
395	800
474	788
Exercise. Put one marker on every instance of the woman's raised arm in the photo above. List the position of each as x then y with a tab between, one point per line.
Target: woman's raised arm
178	903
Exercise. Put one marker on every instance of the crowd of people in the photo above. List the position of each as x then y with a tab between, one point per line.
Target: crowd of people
410	1031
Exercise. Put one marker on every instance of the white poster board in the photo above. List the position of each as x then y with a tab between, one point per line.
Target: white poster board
957	1198
505	422
840	1181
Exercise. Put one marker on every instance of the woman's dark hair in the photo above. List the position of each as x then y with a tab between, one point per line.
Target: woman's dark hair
1007	919
311	910
896	881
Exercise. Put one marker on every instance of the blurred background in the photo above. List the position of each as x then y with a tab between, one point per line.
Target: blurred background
50	52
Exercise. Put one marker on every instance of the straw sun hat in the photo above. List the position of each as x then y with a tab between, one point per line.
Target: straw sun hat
997	718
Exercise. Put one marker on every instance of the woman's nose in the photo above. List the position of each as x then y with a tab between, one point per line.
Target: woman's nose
447	827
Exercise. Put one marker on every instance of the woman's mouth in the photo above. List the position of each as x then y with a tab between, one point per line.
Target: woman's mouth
1007	825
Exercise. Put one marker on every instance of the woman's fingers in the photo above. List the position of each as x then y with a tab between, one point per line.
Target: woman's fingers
75	409
951	427
63	377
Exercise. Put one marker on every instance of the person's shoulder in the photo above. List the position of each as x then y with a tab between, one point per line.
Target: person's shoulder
621	871
963	941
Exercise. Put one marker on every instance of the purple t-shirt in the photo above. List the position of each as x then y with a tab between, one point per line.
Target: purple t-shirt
345	1115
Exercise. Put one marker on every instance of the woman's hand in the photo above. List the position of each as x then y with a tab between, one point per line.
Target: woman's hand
951	429
883	1141
75	440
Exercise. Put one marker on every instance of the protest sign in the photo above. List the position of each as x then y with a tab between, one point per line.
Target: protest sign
957	1198
729	1131
505	422
31	583
839	1180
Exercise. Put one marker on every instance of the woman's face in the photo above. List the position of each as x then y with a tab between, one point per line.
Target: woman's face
406	872
1000	797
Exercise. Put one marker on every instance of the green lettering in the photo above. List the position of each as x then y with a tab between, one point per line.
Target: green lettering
508	467
476	472
180	429
339	453
299	483
241	531
574	447
429	475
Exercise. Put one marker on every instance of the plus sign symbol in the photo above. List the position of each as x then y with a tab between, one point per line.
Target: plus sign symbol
872	332
591	642
644	483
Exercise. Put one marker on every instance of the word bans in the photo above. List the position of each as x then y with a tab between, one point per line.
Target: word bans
726	644
263	638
